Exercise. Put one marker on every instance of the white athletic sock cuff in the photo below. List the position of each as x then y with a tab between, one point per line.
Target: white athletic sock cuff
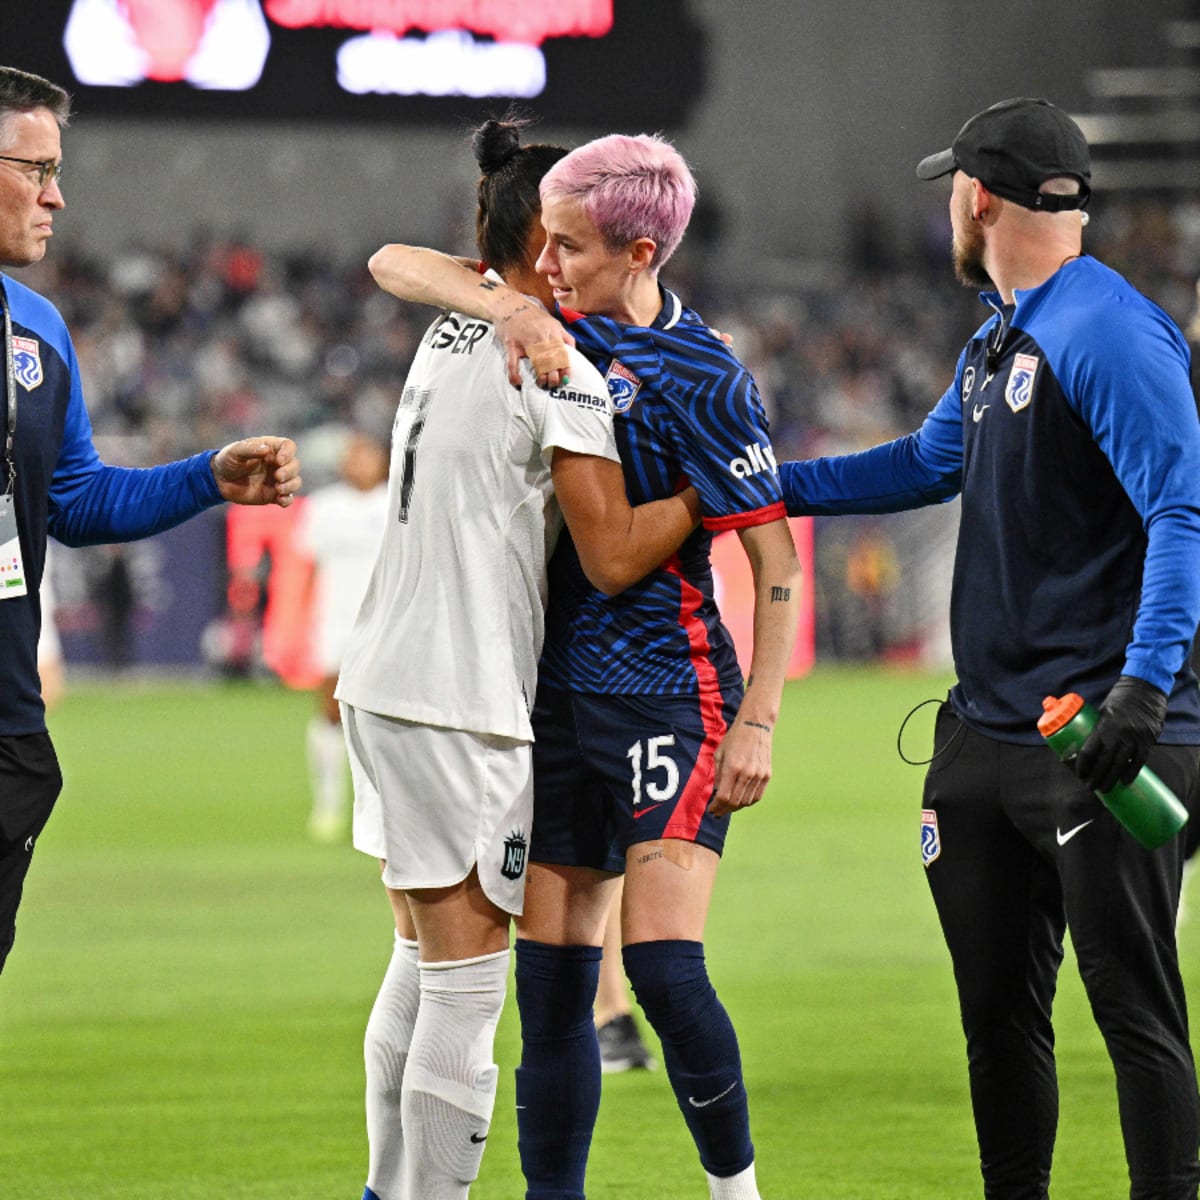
464	962
742	1186
403	943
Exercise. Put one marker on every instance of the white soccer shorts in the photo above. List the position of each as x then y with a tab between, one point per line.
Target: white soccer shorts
434	802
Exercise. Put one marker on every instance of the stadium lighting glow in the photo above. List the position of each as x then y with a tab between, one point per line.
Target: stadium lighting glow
449	63
405	62
217	44
527	21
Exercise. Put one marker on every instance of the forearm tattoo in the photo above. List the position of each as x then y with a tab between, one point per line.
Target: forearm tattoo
780	595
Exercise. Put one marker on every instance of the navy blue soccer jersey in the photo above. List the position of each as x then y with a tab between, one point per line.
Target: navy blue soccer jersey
686	412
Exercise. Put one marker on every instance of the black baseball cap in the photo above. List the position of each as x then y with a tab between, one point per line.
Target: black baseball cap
1013	147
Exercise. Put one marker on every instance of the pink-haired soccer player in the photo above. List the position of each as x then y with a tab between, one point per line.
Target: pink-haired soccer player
645	740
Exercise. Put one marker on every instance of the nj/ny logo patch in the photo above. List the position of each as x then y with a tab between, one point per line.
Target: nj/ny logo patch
968	384
1019	389
623	386
931	840
515	849
27	359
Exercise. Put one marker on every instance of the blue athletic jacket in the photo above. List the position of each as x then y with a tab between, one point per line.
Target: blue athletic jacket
1071	432
63	488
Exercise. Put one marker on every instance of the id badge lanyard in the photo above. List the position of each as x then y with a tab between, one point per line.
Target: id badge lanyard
12	570
9	465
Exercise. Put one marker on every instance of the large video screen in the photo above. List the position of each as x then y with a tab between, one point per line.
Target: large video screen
610	63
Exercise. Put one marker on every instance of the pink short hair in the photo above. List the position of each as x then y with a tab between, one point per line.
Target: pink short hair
630	187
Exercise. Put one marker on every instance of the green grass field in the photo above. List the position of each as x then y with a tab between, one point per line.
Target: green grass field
182	1013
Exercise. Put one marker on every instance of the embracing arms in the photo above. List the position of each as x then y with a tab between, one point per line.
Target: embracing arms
618	543
430	277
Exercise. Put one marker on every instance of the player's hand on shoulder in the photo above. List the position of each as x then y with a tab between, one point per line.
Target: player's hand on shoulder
258	470
529	331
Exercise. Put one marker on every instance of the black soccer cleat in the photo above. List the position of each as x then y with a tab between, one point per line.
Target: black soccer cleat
621	1046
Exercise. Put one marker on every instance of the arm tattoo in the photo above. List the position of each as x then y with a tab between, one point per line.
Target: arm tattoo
489	285
780	594
757	725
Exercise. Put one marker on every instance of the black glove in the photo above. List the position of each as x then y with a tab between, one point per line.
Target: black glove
1131	718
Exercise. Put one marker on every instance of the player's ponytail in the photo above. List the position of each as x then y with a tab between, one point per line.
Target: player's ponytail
495	143
508	200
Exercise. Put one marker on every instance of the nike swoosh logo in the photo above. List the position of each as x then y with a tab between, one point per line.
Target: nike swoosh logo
705	1103
1064	838
978	411
477	1139
643	811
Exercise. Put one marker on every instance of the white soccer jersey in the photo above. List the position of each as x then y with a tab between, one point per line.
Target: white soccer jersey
451	627
340	528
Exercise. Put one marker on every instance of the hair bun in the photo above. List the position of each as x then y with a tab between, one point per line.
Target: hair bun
495	143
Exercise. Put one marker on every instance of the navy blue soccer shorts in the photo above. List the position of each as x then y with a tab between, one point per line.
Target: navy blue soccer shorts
612	771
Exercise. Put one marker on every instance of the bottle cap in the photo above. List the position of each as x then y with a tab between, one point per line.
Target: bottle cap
1058	712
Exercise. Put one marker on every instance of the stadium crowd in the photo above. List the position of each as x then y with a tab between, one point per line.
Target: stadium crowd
214	336
199	342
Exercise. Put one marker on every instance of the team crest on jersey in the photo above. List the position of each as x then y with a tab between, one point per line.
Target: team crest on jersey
515	849
623	386
931	840
1019	389
968	383
27	360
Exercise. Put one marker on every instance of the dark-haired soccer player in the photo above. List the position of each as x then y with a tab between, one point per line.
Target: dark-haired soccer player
440	674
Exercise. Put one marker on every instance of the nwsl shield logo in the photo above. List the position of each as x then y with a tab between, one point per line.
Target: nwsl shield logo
1019	389
931	841
27	360
623	386
515	848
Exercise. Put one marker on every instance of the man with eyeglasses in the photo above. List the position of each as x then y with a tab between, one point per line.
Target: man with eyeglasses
51	478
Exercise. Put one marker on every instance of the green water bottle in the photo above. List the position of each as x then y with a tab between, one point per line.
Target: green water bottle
1146	807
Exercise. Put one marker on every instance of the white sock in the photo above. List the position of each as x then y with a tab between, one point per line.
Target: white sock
385	1051
450	1081
327	770
741	1186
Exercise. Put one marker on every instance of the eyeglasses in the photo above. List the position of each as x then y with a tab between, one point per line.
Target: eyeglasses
47	169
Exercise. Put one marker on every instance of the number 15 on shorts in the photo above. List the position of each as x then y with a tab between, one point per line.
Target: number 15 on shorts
652	769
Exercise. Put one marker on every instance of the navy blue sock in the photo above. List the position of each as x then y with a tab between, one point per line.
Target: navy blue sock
700	1049
368	1194
558	1081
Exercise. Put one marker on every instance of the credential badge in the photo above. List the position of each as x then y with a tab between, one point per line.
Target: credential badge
1019	389
515	848
623	386
27	361
931	840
